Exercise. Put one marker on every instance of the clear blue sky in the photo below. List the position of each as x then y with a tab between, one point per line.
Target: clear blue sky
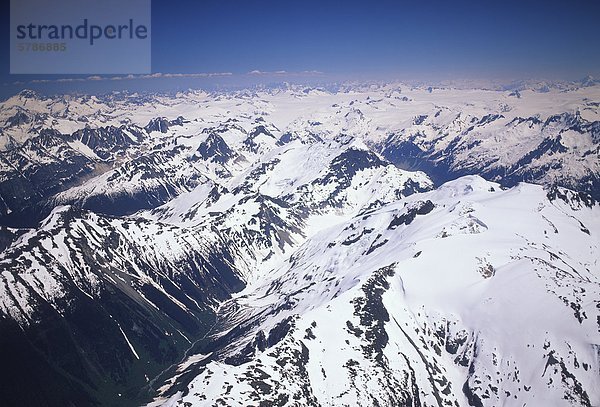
377	36
366	39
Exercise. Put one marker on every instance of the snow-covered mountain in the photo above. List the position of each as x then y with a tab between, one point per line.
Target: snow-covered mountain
542	137
301	246
466	295
93	307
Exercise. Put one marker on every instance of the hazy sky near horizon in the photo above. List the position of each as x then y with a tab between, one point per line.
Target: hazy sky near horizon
369	39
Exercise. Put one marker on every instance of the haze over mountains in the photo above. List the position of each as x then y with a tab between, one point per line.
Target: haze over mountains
377	244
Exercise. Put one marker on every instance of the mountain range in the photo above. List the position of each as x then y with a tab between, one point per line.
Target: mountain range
378	244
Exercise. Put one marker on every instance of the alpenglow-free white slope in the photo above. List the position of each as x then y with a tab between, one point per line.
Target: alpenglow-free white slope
466	295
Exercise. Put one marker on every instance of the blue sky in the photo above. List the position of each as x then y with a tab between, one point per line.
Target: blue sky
367	39
378	37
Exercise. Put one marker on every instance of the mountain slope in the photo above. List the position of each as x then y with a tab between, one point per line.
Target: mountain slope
268	208
466	295
562	149
102	305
